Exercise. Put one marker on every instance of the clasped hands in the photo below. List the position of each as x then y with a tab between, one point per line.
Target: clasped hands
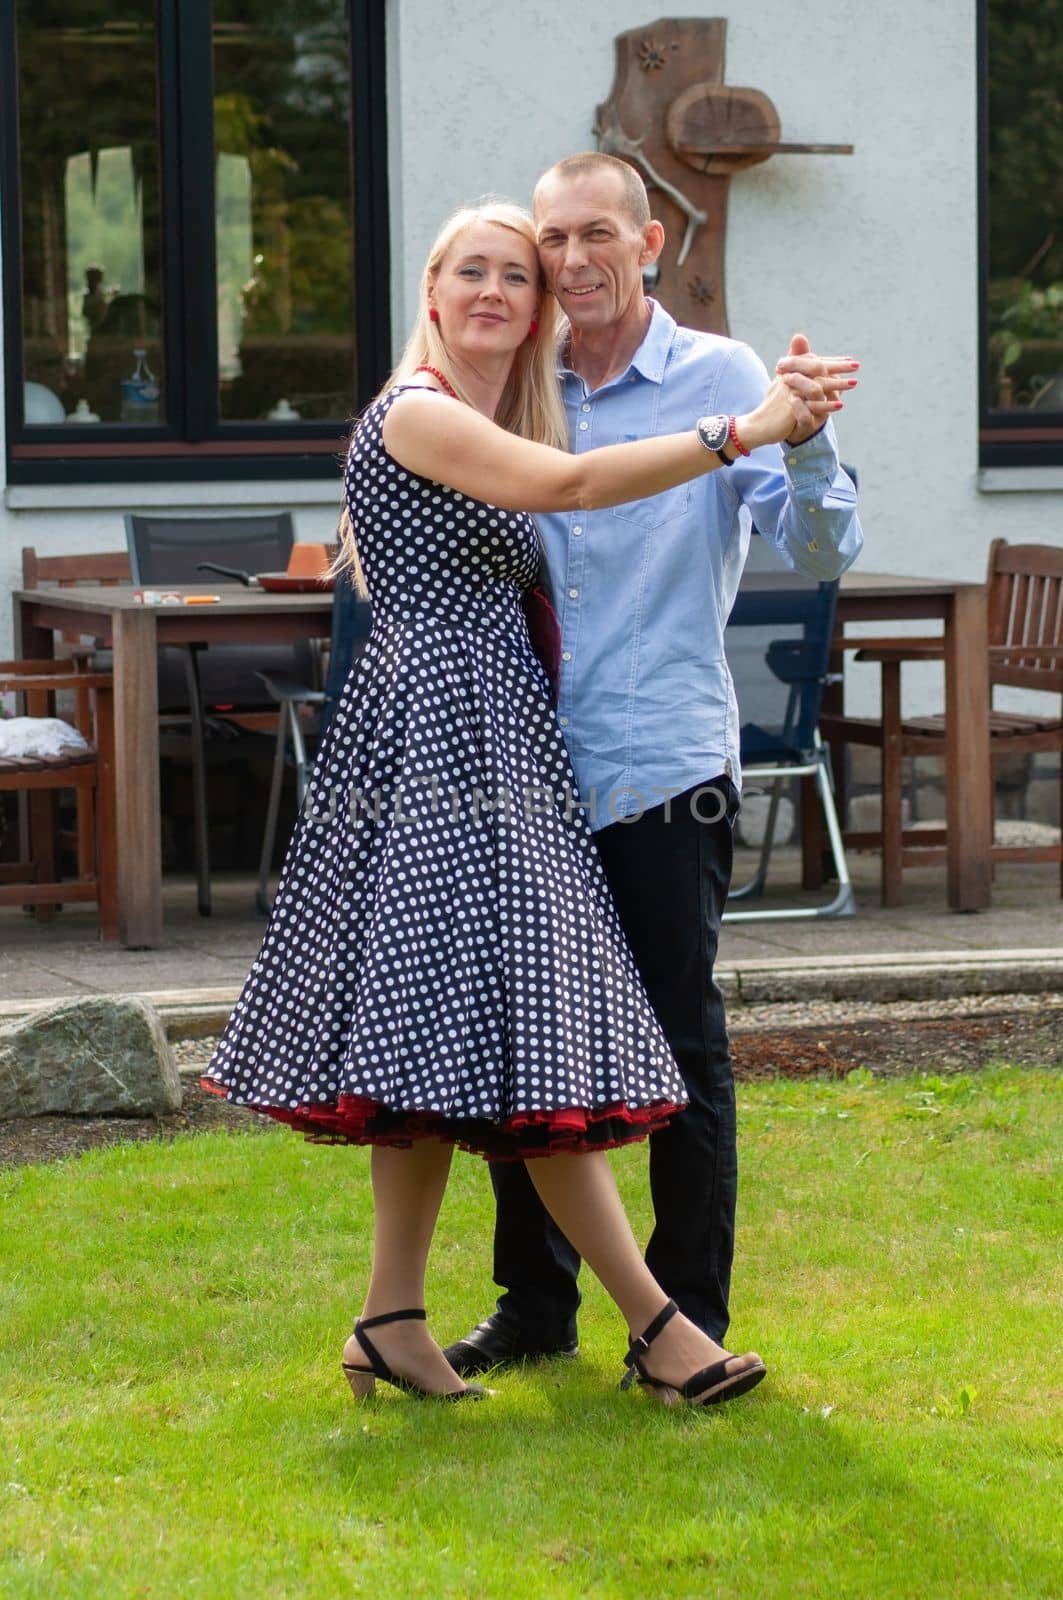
808	388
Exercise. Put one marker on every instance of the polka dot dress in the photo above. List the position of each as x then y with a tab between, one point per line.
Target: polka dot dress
444	959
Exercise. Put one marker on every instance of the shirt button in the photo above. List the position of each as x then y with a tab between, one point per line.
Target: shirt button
563	722
583	427
585	406
573	594
566	655
577	530
790	460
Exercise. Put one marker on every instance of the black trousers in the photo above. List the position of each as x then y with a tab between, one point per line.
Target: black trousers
669	871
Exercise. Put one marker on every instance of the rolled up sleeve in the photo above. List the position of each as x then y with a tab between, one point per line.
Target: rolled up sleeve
801	499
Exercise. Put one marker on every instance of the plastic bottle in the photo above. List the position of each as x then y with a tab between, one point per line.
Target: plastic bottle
140	392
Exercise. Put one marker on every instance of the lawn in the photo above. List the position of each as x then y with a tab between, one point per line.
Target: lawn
175	1424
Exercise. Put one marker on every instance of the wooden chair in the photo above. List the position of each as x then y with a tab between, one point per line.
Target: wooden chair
107	566
1025	605
34	879
213	707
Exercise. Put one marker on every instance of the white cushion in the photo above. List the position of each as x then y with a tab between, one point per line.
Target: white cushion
39	736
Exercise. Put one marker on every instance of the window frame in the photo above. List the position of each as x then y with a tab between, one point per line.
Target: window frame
194	442
1004	439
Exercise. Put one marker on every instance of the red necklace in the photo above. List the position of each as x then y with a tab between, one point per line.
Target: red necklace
435	372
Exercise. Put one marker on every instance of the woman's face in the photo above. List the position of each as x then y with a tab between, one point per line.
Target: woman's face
486	291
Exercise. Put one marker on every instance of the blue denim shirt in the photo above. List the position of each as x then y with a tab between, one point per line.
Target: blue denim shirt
643	590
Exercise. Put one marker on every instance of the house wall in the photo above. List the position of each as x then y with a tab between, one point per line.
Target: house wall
874	253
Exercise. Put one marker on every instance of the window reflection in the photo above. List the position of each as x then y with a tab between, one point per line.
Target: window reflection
90	215
1025	83
283	211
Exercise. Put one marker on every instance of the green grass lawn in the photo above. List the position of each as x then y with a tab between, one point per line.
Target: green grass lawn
174	1420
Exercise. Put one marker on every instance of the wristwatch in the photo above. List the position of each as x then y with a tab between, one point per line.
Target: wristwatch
714	433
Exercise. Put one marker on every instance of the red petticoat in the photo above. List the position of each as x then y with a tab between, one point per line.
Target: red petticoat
357	1120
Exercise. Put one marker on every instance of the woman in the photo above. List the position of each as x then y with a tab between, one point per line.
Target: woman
444	964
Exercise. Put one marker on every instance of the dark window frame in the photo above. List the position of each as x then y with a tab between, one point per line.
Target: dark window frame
1005	438
195	445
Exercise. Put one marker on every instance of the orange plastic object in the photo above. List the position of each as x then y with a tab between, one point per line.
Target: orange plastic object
307	561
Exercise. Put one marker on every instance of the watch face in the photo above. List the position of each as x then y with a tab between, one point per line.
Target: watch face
713	432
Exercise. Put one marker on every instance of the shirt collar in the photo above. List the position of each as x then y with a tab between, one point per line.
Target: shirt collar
651	357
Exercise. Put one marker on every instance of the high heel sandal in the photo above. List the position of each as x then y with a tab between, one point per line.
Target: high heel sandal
706	1388
363	1379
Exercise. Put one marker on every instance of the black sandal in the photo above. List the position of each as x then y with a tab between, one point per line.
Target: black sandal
363	1379
706	1388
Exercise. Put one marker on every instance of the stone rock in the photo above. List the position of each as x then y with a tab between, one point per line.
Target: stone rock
865	813
104	1056
929	805
1042	800
863	766
753	820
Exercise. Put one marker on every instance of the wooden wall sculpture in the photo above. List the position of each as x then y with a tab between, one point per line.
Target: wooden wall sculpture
672	117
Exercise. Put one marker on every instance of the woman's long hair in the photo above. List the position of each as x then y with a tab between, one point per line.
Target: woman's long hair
531	400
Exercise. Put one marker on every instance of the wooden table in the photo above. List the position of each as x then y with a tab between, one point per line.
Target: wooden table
245	614
961	607
135	632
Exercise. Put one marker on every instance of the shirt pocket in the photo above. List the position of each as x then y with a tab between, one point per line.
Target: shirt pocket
657	509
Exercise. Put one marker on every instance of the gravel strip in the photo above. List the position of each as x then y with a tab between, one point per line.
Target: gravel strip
193	1054
828	1013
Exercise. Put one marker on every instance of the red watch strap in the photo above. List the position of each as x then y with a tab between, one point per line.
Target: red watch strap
732	434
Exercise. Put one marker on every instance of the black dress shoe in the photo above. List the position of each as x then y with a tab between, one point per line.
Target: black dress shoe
500	1342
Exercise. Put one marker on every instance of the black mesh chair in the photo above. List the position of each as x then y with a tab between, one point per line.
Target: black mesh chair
351	623
778	645
203	693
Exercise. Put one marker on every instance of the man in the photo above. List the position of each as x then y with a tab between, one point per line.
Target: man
643	592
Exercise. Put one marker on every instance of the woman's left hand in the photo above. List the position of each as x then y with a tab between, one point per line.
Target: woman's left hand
814	385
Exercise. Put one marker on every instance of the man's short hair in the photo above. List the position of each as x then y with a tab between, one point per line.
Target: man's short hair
633	190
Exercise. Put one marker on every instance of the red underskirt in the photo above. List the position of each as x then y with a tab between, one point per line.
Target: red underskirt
355	1119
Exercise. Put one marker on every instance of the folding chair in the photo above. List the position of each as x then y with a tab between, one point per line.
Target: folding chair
778	646
351	622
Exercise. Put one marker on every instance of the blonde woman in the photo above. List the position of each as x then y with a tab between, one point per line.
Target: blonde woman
444	964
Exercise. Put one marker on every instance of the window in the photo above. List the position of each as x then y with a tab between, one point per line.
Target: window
195	235
1022	232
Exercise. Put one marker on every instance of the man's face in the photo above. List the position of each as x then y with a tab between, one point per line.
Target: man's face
592	251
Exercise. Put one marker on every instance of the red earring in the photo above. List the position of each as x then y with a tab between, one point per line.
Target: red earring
533	328
433	314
